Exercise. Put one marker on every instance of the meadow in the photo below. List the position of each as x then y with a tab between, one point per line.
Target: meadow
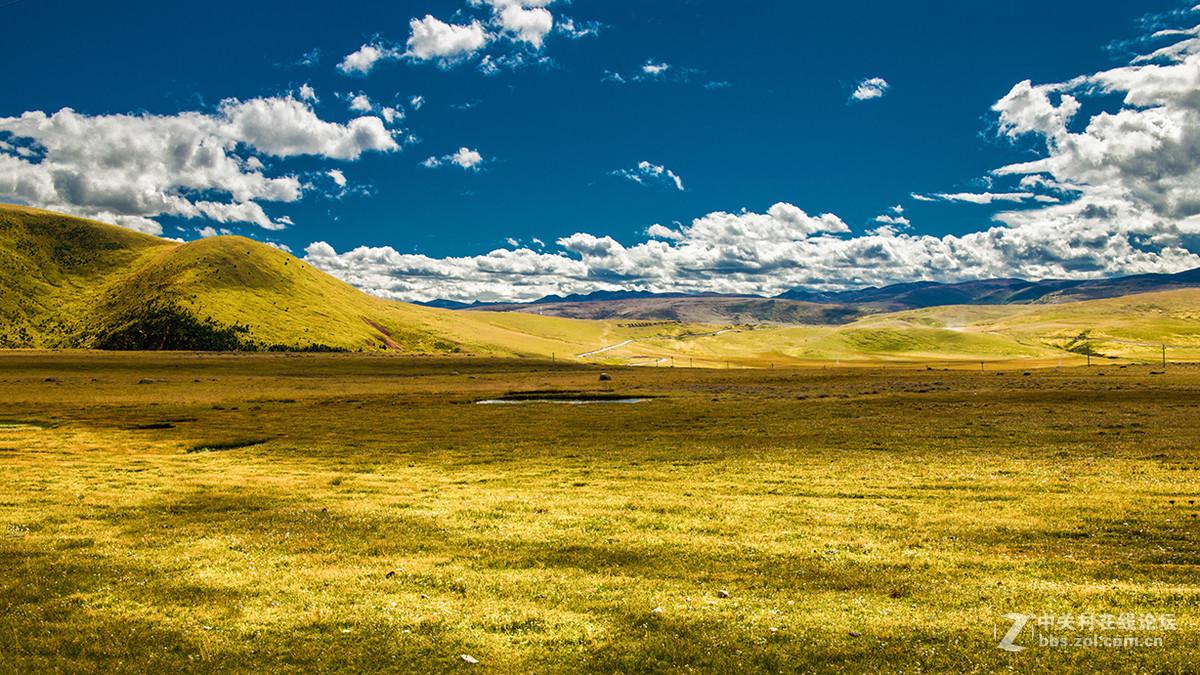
173	512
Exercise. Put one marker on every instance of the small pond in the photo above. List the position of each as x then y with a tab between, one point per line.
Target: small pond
562	397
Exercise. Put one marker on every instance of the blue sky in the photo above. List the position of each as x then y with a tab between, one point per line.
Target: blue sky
584	119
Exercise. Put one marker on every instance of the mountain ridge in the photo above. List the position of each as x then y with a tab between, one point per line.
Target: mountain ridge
825	306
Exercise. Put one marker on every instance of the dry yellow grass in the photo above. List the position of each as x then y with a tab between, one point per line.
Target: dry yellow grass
203	513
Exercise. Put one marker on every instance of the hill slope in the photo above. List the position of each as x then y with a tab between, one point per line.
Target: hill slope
72	283
708	309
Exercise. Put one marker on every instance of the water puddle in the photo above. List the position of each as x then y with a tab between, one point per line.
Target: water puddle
562	398
564	401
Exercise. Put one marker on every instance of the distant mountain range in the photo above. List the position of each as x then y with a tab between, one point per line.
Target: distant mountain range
805	306
1000	291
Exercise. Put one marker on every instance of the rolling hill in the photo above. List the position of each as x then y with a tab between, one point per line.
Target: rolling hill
72	283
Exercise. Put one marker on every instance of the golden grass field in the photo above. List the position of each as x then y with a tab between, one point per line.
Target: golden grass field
360	513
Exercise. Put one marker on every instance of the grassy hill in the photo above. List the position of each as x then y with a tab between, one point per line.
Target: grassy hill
74	283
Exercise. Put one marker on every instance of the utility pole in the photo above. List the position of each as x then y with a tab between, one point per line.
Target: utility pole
1164	356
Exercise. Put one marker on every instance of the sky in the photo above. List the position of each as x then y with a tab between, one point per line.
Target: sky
512	149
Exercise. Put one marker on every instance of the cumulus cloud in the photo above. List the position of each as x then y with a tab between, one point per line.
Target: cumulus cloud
361	103
647	173
464	158
721	251
870	88
529	24
363	60
435	40
511	36
897	221
657	231
128	169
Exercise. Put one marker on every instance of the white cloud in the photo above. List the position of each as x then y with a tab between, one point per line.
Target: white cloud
655	68
129	169
578	29
361	103
416	102
338	177
525	21
434	39
1028	109
307	93
530	25
985	197
365	58
898	209
464	158
657	231
872	87
648	174
391	115
898	221
285	127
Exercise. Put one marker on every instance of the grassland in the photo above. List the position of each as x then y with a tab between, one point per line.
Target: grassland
318	513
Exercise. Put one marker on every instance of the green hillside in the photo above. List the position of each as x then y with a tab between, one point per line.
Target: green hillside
74	283
54	270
